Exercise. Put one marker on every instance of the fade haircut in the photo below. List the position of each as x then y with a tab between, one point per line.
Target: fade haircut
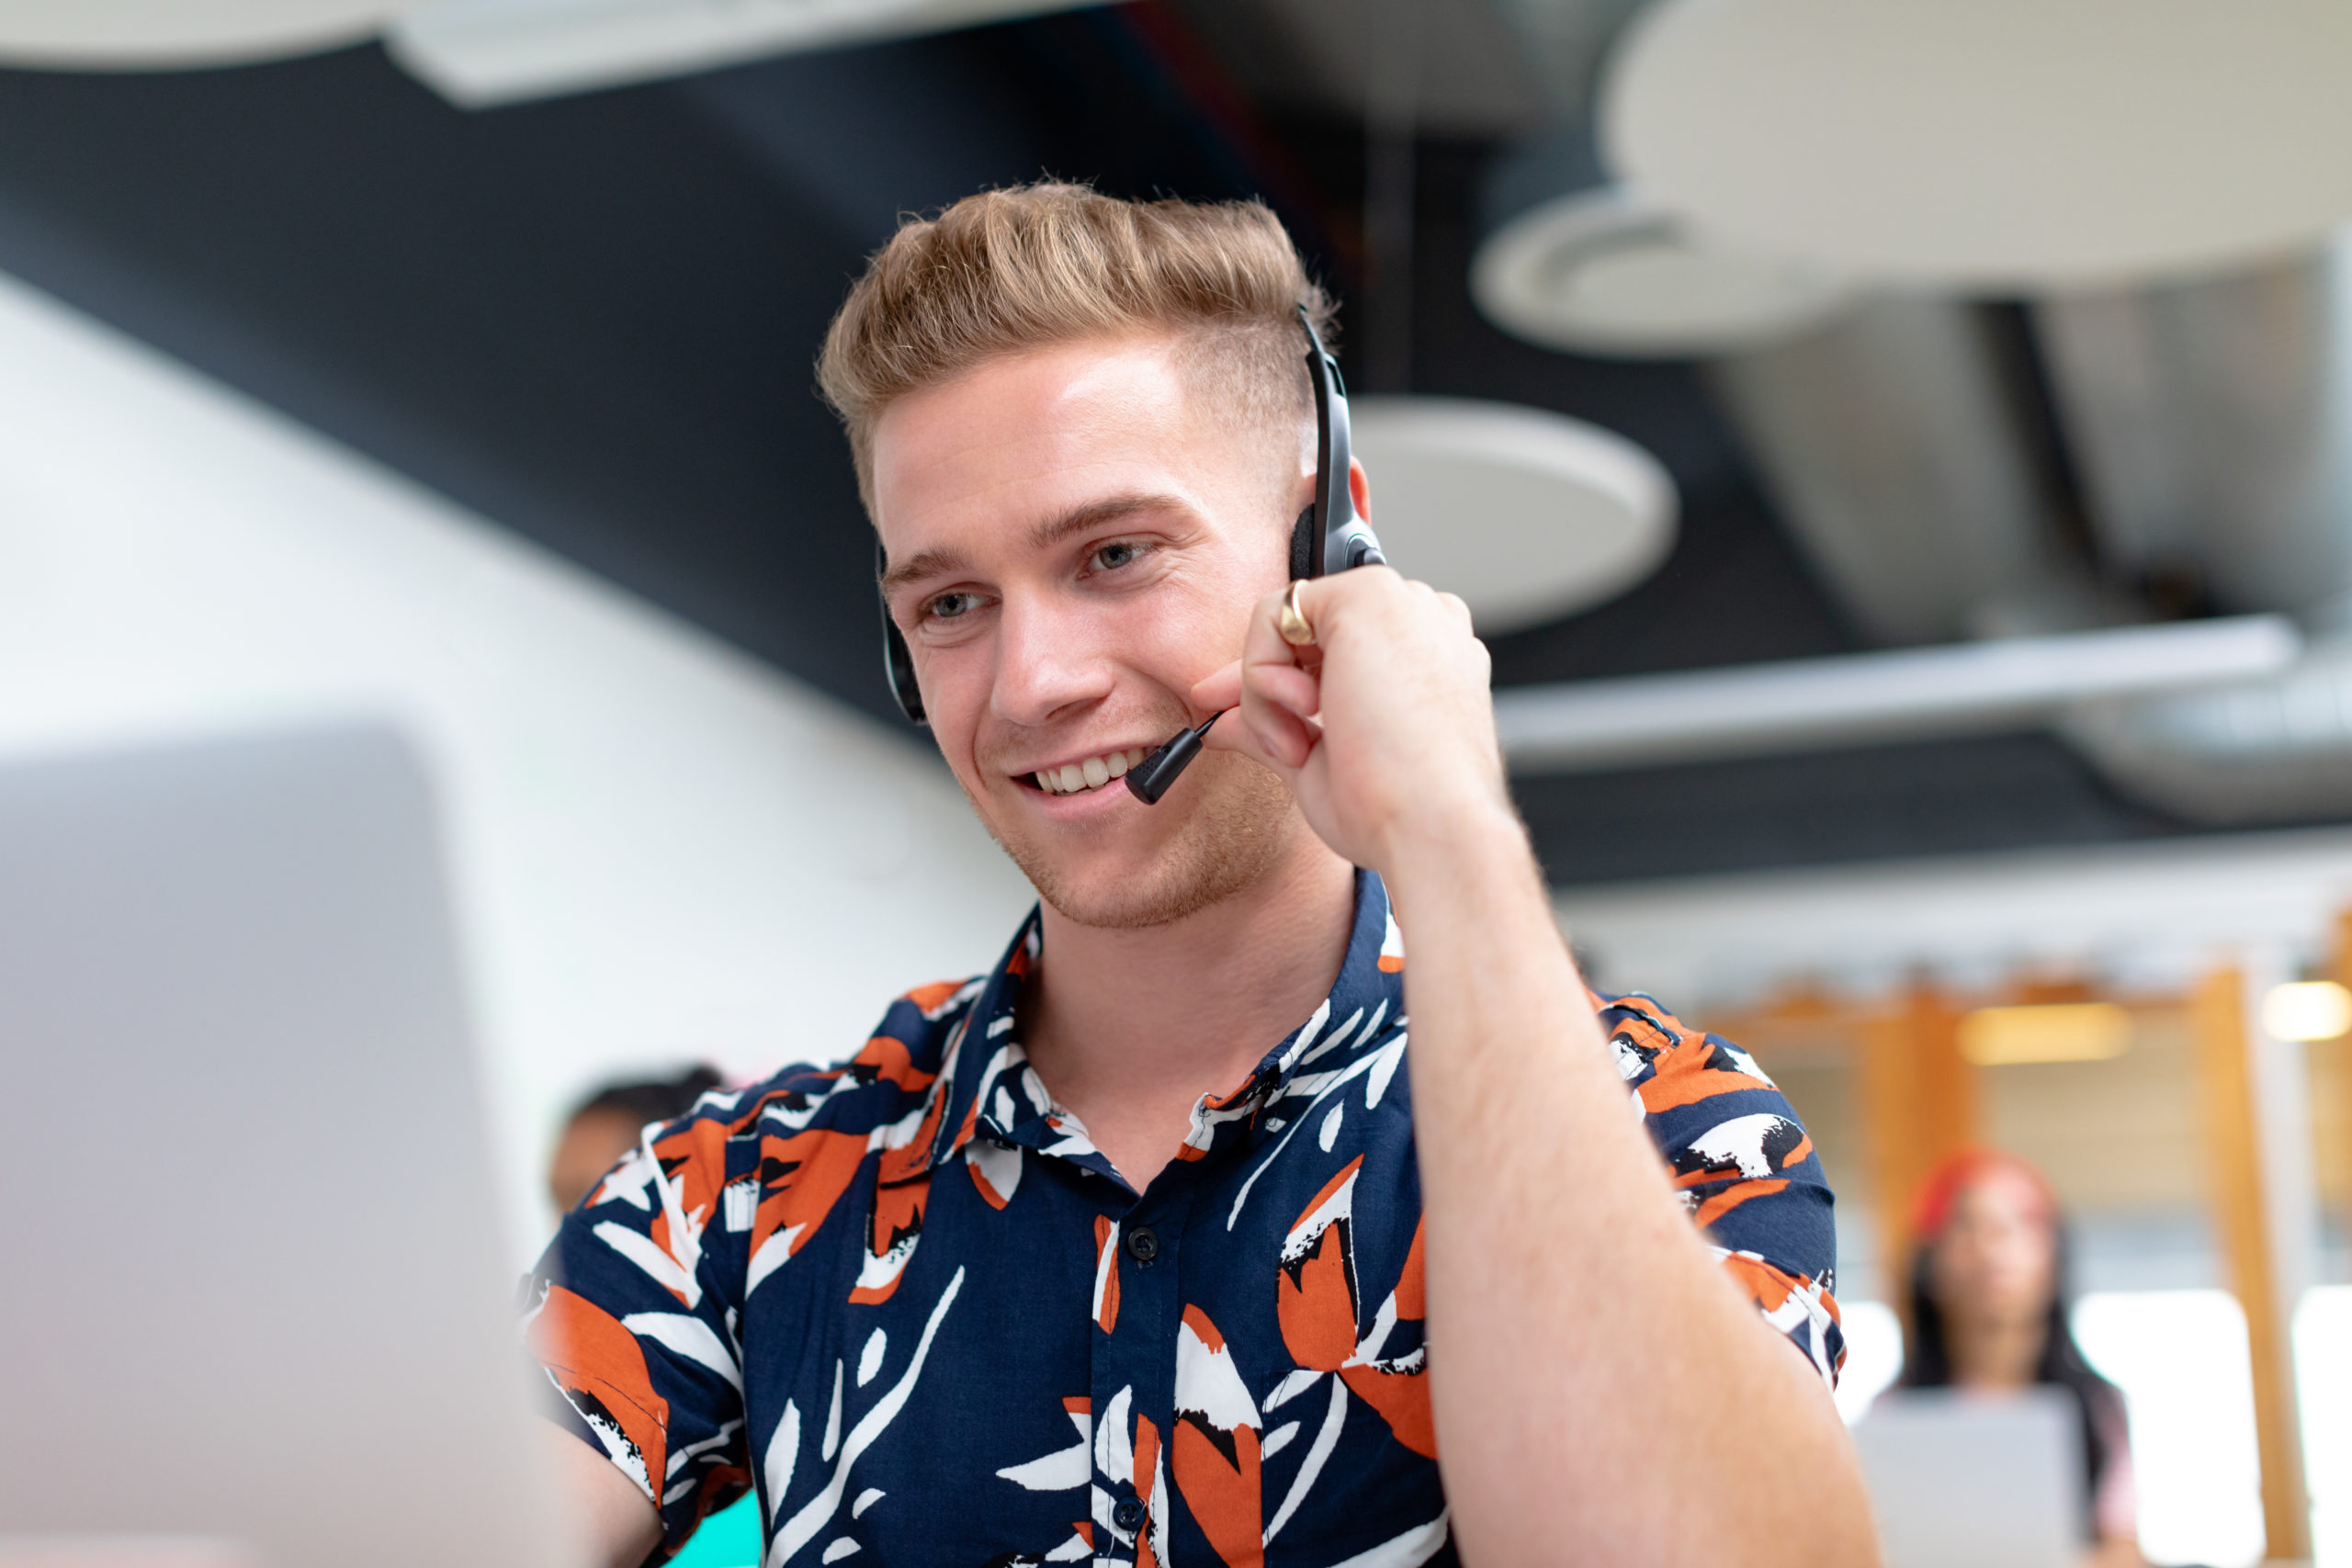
1046	263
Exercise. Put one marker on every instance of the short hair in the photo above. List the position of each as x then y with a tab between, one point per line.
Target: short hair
1041	265
645	1100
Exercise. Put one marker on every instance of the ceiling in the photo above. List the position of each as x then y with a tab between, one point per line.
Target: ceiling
592	319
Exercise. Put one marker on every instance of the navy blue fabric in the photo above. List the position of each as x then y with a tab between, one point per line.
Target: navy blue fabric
907	1300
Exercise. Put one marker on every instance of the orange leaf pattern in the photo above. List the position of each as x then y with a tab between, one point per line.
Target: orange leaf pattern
1033	1362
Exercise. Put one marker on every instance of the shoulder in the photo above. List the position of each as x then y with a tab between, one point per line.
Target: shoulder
894	1069
1706	1103
1671	1062
902	1057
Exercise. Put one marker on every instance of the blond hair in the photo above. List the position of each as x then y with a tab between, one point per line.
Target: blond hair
1046	263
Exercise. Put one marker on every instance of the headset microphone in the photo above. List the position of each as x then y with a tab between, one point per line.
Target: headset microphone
1329	536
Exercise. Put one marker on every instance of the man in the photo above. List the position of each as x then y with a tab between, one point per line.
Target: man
1156	1244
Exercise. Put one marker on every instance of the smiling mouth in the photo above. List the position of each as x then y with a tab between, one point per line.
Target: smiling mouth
1093	774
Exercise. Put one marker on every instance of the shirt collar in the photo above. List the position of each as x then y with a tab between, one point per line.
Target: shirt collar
992	1091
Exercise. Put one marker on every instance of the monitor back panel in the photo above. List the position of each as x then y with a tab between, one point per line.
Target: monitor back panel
1962	1482
253	1288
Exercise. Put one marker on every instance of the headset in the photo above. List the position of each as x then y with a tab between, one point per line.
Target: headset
1329	536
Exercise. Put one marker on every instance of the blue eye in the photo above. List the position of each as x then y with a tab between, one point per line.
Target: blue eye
1119	553
948	606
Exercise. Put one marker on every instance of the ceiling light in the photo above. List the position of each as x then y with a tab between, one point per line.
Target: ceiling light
1527	515
2049	1031
1604	271
479	52
134	35
1992	144
2307	1010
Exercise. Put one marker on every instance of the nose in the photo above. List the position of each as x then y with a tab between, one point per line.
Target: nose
1050	661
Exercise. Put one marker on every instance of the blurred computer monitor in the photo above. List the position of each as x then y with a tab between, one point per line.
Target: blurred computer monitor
255	1296
1972	1480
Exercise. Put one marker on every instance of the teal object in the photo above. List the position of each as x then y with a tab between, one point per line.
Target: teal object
729	1539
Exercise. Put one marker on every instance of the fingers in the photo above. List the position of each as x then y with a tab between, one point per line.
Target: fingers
1215	694
1279	693
1275	685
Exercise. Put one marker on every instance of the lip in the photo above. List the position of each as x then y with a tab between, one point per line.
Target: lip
1086	804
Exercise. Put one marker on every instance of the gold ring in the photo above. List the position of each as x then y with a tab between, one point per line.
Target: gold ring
1295	628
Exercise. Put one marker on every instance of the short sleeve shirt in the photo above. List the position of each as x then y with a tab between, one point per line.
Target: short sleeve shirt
907	1301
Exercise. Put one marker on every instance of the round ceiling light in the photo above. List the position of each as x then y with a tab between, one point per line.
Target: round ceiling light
1526	514
1604	271
1992	144
133	35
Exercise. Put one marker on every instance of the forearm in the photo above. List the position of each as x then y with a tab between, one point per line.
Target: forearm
1595	1379
613	1525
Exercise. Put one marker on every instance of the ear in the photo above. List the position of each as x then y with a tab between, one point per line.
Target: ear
1361	488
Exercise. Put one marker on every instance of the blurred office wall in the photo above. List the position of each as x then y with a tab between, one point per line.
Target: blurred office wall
663	849
2119	1137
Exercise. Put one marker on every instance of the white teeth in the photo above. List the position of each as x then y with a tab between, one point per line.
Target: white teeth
1071	778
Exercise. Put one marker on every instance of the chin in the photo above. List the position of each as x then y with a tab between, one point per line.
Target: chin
1236	828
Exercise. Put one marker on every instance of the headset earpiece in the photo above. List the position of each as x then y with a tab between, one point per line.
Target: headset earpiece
898	659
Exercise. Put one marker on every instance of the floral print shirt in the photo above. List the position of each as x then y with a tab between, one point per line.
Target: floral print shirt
907	1301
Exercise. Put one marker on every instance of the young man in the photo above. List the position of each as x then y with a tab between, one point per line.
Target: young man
1156	1244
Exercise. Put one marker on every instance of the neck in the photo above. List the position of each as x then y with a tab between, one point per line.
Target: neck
1129	1028
1997	1352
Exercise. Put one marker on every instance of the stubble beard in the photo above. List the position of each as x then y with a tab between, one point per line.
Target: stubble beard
1239	830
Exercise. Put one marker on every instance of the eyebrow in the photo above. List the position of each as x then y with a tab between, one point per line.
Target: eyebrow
1043	535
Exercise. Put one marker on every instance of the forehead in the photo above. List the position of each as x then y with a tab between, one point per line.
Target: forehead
1036	434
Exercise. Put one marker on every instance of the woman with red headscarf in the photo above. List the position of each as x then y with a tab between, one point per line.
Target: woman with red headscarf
1988	1312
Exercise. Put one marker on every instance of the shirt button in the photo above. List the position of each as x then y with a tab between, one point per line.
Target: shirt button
1128	1515
1143	1245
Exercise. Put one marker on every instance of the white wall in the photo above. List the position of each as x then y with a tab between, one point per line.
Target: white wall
663	850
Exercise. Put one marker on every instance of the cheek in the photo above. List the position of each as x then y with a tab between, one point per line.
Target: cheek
954	729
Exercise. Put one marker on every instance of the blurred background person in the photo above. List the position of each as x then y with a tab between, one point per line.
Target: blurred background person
606	1127
1989	1312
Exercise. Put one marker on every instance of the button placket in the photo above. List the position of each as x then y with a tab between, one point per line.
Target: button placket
1138	1355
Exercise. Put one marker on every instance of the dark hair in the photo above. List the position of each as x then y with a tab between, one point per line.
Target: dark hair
1927	1361
652	1099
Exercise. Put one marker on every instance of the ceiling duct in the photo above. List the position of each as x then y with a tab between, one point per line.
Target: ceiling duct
2274	749
1891	443
1883	423
2211	426
2211	421
2209	417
